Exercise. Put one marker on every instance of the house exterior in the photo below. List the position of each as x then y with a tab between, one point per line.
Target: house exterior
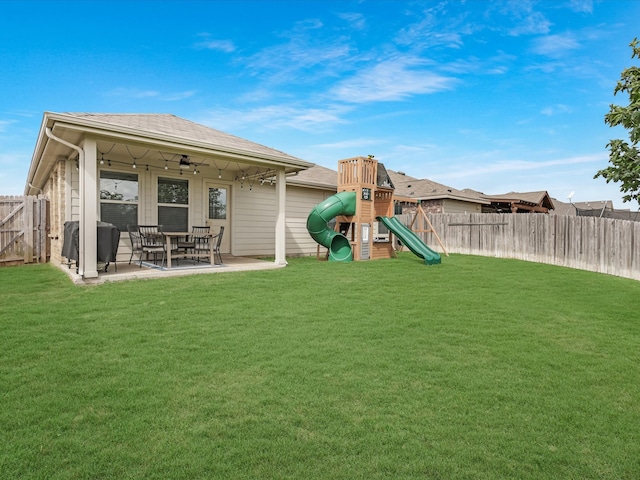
434	197
162	169
519	202
594	208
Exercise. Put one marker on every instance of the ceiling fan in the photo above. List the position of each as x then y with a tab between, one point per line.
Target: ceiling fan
185	163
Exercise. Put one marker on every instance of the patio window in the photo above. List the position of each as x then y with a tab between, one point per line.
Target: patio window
218	203
173	204
119	198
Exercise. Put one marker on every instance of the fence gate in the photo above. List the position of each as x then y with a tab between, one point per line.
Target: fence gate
24	230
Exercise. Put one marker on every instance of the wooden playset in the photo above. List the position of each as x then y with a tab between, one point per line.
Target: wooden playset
374	198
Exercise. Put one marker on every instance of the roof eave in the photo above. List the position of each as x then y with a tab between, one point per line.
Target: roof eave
169	141
453	197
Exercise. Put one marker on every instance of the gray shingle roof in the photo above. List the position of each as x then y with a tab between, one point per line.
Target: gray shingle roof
179	128
425	189
541	198
316	176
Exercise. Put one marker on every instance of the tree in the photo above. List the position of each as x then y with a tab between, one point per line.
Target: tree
624	156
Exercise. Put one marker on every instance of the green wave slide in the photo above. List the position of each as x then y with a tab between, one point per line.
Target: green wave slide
342	203
411	240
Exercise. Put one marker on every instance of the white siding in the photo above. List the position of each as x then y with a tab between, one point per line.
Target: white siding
254	214
300	202
253	220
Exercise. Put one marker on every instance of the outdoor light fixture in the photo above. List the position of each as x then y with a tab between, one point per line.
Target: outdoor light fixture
184	162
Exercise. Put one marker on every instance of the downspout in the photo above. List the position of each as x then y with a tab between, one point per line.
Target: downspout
81	248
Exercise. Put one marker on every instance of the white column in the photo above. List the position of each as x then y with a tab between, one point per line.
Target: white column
281	219
88	233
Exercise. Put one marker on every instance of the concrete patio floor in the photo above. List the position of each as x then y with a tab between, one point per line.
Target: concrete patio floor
149	271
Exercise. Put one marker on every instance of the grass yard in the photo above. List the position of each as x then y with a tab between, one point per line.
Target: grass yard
479	368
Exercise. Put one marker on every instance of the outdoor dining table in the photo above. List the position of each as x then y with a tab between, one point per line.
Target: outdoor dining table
177	235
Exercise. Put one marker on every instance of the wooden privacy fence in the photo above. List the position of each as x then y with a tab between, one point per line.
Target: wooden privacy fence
602	245
23	230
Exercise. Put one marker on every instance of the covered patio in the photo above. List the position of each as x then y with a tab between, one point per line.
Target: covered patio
157	169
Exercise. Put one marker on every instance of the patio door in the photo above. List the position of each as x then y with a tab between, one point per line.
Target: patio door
218	212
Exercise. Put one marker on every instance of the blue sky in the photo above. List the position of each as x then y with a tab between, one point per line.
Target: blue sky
494	95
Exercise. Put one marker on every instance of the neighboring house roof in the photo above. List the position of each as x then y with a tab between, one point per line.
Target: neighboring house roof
316	176
597	208
562	208
594	205
161	131
529	201
424	189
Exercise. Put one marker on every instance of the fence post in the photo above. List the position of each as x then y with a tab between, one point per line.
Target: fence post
28	229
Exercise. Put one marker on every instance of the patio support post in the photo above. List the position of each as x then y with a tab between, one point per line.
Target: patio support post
281	220
88	232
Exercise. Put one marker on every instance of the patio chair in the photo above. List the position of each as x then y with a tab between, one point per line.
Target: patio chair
152	241
202	239
216	248
136	242
198	240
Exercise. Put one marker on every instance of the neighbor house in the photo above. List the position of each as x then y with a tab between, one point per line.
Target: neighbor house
519	202
161	169
432	196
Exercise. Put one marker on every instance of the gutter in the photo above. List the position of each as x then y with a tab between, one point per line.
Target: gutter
65	143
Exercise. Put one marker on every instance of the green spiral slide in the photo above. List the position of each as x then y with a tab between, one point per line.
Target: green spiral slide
342	203
411	240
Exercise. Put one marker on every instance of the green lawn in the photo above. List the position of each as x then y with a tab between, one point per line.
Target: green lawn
478	368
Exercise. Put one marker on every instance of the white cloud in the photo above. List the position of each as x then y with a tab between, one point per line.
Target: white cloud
284	62
4	124
555	45
352	143
533	23
133	93
139	93
226	46
584	6
555	110
277	116
392	80
173	97
436	26
356	20
507	166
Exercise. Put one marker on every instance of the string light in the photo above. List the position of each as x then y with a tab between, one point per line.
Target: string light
219	173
